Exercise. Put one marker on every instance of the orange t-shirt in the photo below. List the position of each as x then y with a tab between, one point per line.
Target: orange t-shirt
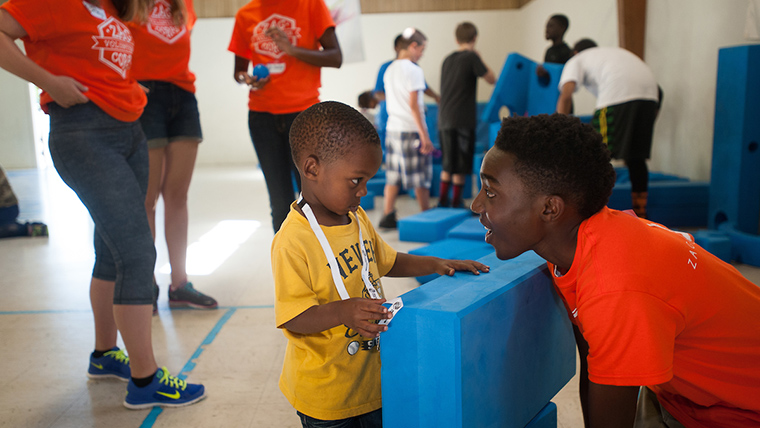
294	84
162	49
87	43
658	310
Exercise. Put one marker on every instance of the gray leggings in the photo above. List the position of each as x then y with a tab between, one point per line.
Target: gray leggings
105	162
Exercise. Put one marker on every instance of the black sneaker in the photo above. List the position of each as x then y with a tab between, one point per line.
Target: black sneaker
37	229
187	296
388	221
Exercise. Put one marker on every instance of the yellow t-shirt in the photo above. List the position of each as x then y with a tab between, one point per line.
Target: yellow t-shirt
327	375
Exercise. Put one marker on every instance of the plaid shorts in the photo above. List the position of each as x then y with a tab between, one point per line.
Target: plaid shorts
405	166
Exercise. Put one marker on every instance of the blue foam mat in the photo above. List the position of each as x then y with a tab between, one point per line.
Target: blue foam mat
471	229
431	225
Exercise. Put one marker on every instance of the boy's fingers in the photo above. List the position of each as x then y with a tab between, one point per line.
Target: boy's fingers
371	330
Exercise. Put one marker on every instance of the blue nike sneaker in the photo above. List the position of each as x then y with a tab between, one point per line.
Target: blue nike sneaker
165	391
113	363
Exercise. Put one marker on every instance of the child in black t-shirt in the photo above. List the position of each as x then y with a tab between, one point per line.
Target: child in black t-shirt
457	112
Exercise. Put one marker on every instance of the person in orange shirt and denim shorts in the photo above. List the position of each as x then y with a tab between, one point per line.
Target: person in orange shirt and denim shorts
171	123
79	53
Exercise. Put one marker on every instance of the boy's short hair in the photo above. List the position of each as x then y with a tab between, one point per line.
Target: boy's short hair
365	99
397	42
411	35
329	130
559	155
561	20
583	44
466	32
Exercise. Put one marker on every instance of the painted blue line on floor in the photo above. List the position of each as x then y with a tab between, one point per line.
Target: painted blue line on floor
151	418
61	311
190	365
79	311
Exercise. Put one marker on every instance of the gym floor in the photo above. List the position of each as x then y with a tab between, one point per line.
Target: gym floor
46	323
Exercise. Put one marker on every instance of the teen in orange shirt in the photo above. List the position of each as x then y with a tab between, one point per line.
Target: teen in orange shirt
172	126
286	37
99	150
650	307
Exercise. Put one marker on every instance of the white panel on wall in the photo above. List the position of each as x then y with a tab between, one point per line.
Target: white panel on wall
16	130
222	102
683	39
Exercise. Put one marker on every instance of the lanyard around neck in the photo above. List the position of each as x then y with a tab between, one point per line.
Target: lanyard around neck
331	260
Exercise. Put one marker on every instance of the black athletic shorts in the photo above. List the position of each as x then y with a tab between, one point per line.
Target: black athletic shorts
627	128
458	147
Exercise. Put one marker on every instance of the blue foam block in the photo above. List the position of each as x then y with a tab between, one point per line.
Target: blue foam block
511	88
493	131
470	229
431	225
478	351
621	174
543	93
717	243
546	418
735	177
672	203
368	201
431	120
679	216
376	185
522	91
745	247
457	249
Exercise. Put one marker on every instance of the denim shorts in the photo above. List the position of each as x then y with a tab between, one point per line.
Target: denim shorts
171	115
105	162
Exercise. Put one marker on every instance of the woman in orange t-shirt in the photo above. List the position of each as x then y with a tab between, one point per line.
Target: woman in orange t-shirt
99	150
286	37
172	126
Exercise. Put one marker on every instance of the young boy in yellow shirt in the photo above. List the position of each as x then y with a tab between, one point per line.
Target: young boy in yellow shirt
327	261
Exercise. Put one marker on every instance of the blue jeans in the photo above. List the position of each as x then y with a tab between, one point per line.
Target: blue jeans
367	420
270	135
105	162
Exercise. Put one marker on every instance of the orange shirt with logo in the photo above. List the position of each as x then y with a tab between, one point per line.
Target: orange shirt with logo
162	48
294	84
87	43
658	310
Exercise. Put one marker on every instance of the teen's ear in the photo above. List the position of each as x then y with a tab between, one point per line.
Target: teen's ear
554	207
311	168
